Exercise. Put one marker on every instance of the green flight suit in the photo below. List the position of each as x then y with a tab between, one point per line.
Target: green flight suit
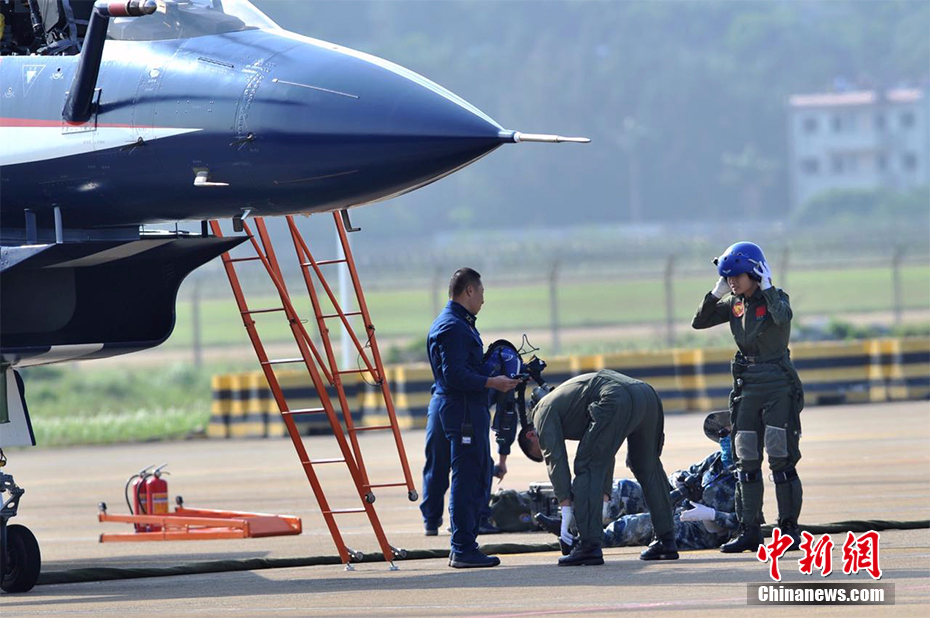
601	410
766	401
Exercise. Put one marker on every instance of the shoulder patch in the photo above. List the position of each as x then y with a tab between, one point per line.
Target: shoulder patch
739	309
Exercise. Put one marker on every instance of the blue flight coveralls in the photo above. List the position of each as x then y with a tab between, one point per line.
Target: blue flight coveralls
457	429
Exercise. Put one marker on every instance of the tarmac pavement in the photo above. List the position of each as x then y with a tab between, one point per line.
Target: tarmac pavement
860	462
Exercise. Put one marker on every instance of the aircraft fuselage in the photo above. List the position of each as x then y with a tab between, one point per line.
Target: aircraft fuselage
272	121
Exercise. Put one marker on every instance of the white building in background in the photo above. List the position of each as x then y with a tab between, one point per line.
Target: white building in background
858	139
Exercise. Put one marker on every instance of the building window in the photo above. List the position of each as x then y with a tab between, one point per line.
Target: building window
909	161
907	120
837	123
810	125
836	164
881	162
879	122
810	166
852	163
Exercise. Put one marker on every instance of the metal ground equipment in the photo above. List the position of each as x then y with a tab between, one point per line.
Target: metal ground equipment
147	500
185	524
324	372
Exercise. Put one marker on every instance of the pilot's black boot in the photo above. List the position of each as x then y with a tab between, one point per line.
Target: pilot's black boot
749	539
663	548
790	528
584	553
749	492
790	494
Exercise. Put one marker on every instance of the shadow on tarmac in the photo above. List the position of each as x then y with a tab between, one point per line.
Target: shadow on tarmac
620	571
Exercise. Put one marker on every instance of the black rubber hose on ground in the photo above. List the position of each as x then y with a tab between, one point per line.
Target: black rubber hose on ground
96	574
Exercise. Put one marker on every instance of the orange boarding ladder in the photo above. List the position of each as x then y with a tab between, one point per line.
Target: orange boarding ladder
310	358
373	366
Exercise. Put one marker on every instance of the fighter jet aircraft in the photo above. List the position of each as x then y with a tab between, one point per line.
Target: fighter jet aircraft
115	114
185	110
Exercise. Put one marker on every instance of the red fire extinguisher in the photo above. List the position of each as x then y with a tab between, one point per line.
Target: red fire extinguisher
156	495
149	495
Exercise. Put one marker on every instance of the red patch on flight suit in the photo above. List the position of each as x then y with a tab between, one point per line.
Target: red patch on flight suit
739	309
760	312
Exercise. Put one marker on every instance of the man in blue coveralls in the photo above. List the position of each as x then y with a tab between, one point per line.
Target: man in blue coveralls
458	422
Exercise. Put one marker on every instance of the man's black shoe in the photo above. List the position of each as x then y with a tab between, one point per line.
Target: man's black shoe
664	548
583	554
486	527
472	560
749	539
430	531
565	547
549	524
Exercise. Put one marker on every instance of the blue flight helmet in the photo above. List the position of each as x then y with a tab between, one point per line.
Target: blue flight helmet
740	258
502	359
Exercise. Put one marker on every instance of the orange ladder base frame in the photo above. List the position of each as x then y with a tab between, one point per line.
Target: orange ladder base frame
202	524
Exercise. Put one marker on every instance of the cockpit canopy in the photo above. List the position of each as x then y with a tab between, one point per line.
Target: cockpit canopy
57	27
185	19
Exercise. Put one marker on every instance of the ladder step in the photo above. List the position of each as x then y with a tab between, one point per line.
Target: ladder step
281	361
375	428
354	371
245	259
315	462
338	511
251	311
386	485
323	262
336	315
304	411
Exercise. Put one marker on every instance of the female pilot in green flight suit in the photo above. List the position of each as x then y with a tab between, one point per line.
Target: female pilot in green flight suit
767	396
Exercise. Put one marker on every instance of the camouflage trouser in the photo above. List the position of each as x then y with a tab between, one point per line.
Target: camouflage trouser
636	529
626	498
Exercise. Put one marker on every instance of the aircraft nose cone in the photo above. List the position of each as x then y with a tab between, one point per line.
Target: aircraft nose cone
337	113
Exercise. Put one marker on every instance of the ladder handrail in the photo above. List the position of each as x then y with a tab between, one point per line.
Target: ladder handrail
269	250
300	246
306	259
373	341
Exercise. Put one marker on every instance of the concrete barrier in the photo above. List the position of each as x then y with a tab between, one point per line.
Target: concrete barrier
873	370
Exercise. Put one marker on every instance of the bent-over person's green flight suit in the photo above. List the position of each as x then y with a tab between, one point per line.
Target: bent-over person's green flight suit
601	410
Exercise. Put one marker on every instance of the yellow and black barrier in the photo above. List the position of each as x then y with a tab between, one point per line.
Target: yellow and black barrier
871	370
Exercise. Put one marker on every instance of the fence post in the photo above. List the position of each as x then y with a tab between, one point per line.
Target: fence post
434	289
783	268
897	290
195	318
670	300
554	305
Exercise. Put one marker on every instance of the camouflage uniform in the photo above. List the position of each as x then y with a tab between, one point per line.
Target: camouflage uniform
632	524
766	400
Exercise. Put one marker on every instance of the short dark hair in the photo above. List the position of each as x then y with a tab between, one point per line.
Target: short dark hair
461	279
525	444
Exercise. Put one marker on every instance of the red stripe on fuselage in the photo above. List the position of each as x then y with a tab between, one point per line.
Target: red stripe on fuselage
38	123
